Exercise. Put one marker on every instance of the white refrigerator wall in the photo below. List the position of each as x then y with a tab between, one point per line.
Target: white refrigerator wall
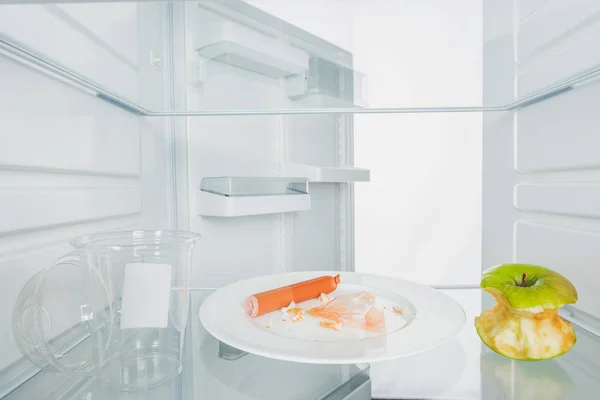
72	164
540	171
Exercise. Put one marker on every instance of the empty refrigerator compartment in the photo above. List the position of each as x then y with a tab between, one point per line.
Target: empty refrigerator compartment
240	46
240	196
328	84
115	52
316	173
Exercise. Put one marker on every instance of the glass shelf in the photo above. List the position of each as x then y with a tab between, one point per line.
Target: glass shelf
234	57
462	368
206	375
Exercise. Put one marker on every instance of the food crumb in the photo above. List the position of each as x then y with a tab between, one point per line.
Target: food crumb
323	298
366	296
398	310
297	314
284	320
336	326
268	326
285	310
297	317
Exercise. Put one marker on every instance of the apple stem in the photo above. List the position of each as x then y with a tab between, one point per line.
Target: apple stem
523	280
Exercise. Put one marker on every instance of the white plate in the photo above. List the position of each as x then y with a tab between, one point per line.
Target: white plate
429	319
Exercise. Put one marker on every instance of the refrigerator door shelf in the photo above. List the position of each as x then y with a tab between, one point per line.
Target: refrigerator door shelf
214	205
240	196
234	186
248	49
329	174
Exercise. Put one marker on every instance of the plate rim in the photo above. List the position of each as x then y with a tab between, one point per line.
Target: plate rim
231	340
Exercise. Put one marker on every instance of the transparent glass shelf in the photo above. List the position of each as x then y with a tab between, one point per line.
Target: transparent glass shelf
209	374
462	368
197	58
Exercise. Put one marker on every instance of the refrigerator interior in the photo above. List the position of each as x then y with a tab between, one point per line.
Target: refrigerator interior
283	132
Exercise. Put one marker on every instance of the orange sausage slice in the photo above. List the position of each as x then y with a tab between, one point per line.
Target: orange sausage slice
271	300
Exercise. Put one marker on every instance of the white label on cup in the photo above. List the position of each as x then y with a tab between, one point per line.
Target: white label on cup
146	296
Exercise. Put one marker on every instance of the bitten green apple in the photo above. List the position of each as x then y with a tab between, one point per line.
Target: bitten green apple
524	324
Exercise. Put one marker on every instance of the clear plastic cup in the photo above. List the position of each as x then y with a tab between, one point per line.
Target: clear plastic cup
116	307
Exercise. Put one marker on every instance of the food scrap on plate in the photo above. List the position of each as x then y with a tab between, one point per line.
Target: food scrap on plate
398	310
297	313
353	310
335	325
323	298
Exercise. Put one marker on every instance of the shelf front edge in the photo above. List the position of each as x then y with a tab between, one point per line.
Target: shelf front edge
214	205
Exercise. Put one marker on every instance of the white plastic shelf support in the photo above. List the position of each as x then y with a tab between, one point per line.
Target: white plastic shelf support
327	85
328	174
239	196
